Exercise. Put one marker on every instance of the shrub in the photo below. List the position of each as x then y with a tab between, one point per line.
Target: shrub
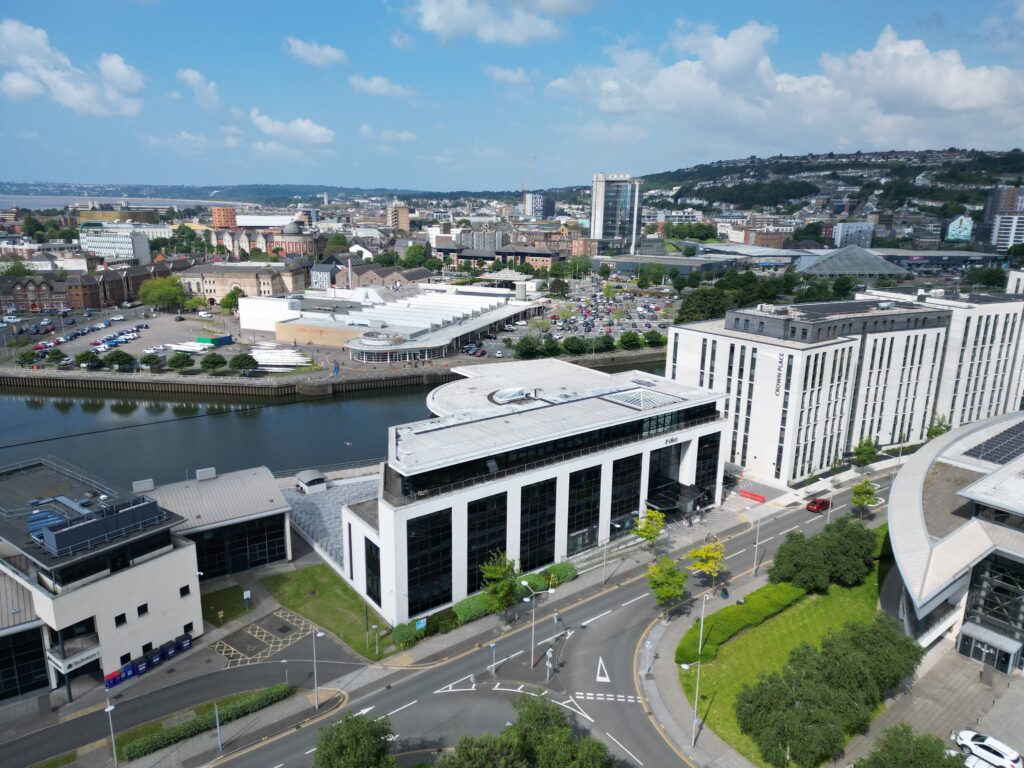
559	573
145	745
474	607
538	582
406	635
724	624
443	621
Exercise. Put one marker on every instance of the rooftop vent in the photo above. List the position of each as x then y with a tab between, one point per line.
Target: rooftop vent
140	486
886	304
642	399
503	396
207	473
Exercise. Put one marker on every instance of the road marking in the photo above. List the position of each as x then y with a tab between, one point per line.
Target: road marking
279	765
567	633
602	671
735	553
404	706
450	688
499	662
639	597
594	618
612	697
366	710
623	748
787	530
768	539
311	751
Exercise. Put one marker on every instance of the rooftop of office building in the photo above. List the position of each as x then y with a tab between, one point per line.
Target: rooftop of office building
55	514
834	310
504	406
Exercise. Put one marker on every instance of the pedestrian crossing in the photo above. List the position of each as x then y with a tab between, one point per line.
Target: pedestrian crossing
623	698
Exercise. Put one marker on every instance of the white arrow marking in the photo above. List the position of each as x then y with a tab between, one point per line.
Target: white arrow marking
364	711
602	671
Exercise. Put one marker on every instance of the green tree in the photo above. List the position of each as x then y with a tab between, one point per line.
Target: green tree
88	358
152	361
842	287
55	355
485	751
500	578
212	361
26	358
704	303
163	292
230	300
605	271
939	426
654	339
243	362
551	347
355	742
864	452
179	361
558	287
709	557
16	269
117	358
386	259
631	340
863	495
642	280
651	526
799	562
900	747
574	345
528	348
196	302
604	343
1016	254
666	580
414	257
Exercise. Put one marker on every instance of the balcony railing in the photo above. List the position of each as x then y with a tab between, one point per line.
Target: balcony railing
78	651
443	490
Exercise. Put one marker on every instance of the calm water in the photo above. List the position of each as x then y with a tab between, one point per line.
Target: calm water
122	439
59	201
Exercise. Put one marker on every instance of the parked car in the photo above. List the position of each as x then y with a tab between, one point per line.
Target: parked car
480	353
988	749
499	354
12	319
205	314
117	318
178	318
818	505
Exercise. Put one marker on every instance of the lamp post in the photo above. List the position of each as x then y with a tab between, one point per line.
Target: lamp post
285	662
533	615
494	662
376	641
696	695
604	562
110	719
316	686
757	541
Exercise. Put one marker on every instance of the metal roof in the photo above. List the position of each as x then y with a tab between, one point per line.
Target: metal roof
851	260
228	498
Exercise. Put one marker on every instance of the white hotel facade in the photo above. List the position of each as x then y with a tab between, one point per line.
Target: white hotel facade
807	382
539	459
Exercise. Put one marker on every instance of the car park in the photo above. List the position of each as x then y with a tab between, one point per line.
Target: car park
103	348
818	505
992	751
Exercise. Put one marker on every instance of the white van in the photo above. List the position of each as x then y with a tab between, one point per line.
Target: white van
12	319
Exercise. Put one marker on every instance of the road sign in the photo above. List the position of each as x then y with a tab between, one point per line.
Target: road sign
421	624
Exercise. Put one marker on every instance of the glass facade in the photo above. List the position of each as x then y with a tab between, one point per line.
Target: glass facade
537	525
619	209
22	663
584	509
487	525
429	557
238	547
372	554
996	601
625	506
706	474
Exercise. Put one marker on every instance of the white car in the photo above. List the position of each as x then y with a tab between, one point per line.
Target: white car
12	319
499	354
152	350
117	318
204	314
988	749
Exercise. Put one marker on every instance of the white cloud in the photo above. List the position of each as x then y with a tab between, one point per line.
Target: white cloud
514	22
507	76
391	137
30	67
384	141
174	95
896	94
204	91
299	129
182	142
314	54
400	39
366	131
274	148
232	136
377	85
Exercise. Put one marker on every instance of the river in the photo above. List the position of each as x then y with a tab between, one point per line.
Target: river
124	439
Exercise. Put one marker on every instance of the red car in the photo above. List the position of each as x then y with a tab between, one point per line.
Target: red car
818	505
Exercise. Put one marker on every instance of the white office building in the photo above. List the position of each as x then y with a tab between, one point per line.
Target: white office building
853	233
805	383
615	211
122	243
1007	231
539	459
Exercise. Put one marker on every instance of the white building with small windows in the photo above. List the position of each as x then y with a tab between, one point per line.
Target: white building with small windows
805	383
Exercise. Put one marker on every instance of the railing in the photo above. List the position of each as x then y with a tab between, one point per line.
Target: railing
332	467
74	646
442	490
103	538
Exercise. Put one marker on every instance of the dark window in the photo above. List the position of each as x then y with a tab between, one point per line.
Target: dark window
625	494
429	555
120	620
372	557
143	609
22	663
487	525
185	591
350	576
706	475
537	525
125	658
147	648
238	547
584	509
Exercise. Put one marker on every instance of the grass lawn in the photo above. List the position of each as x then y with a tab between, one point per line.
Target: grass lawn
228	600
766	648
319	594
56	762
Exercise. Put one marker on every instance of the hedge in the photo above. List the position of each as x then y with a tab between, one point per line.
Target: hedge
474	607
406	635
726	623
559	573
145	745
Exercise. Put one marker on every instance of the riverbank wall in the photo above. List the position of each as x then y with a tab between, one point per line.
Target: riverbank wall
55	381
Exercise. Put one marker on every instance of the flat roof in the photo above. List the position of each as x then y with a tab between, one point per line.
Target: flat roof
227	498
719	328
503	406
1002	489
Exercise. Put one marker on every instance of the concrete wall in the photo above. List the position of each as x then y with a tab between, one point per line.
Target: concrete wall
309	333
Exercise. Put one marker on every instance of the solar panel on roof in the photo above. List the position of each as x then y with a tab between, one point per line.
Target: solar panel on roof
1001	448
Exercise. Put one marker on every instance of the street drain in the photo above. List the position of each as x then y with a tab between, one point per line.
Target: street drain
284	629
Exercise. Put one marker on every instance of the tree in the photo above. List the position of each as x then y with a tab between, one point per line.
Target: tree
900	747
196	302
605	271
500	578
842	287
551	347
414	257
842	553
709	557
355	742
864	452
496	266
666	580
604	343
642	281
163	292
117	358
230	300
179	361
386	259
26	358
212	361
558	287
528	348
651	526
243	362
489	749
151	360
575	345
863	495
55	355
88	358
799	562
939	426
654	339
704	303
17	269
631	340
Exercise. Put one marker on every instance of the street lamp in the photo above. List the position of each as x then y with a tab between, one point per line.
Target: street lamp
494	663
604	562
316	686
533	614
285	662
110	719
696	694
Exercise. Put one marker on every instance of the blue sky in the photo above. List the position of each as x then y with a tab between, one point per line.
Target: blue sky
489	94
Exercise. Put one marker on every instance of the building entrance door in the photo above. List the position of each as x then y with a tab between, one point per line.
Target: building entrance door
988	655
